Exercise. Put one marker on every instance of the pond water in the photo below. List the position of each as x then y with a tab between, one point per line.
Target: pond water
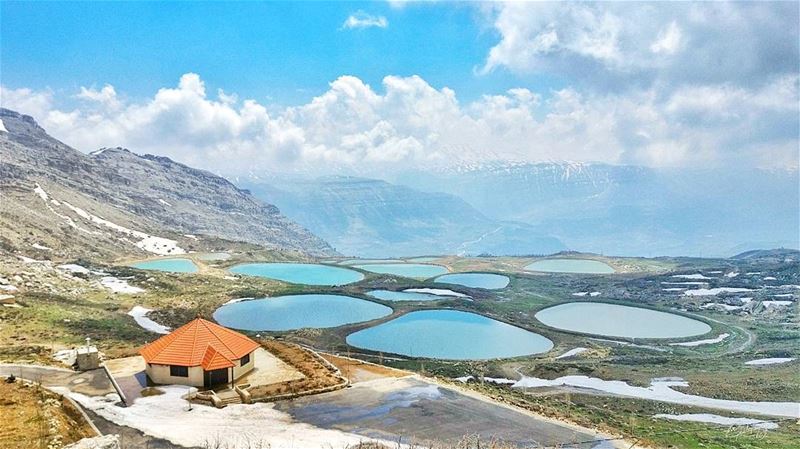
449	334
409	270
283	313
488	281
613	320
388	295
300	273
170	265
570	266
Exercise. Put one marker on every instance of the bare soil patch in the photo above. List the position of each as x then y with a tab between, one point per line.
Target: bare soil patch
36	417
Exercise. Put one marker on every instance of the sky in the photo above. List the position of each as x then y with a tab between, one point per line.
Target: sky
362	87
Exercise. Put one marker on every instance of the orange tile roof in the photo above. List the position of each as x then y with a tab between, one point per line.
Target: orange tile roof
214	360
189	346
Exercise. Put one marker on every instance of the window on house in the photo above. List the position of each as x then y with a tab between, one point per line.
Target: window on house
178	371
244	360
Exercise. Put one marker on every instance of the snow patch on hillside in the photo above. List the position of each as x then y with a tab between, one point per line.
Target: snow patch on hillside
715	291
721	420
707	341
139	315
661	390
769	361
157	245
436	291
117	285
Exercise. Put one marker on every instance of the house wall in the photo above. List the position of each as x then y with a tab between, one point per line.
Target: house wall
160	375
239	371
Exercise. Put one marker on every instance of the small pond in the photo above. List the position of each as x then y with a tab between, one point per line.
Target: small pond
170	265
451	335
300	273
612	320
409	270
488	281
283	313
584	266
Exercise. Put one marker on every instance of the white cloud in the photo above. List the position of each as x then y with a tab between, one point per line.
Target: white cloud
407	122
360	19
107	96
611	44
669	40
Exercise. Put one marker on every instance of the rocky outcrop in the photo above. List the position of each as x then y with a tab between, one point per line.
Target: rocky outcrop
148	196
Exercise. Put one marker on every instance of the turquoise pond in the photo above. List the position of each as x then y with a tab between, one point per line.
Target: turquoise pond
612	320
170	265
450	335
300	273
409	270
585	266
388	295
283	313
488	281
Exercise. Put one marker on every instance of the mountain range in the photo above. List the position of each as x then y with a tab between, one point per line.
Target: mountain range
374	218
632	210
114	202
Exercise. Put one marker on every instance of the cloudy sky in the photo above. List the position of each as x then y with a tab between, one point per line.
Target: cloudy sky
360	87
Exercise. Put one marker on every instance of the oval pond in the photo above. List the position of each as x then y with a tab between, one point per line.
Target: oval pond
300	273
612	320
450	335
283	313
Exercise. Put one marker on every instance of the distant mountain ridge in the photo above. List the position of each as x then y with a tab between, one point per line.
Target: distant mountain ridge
107	201
631	210
372	218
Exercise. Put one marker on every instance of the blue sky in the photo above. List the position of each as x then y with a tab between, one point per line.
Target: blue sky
354	87
282	51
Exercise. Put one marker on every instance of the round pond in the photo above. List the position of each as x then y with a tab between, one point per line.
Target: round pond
585	266
170	265
450	335
612	320
283	313
409	270
300	273
488	281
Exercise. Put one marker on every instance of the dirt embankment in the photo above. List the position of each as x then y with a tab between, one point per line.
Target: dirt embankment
36	417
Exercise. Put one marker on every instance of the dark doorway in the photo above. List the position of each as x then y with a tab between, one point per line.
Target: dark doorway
215	377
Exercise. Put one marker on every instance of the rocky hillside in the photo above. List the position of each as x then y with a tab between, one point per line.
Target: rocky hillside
113	202
373	218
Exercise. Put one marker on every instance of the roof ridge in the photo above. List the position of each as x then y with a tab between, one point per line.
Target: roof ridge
213	332
194	339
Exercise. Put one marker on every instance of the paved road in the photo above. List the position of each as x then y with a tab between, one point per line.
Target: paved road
412	410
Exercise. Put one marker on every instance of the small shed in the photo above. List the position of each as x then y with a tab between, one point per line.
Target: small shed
200	354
